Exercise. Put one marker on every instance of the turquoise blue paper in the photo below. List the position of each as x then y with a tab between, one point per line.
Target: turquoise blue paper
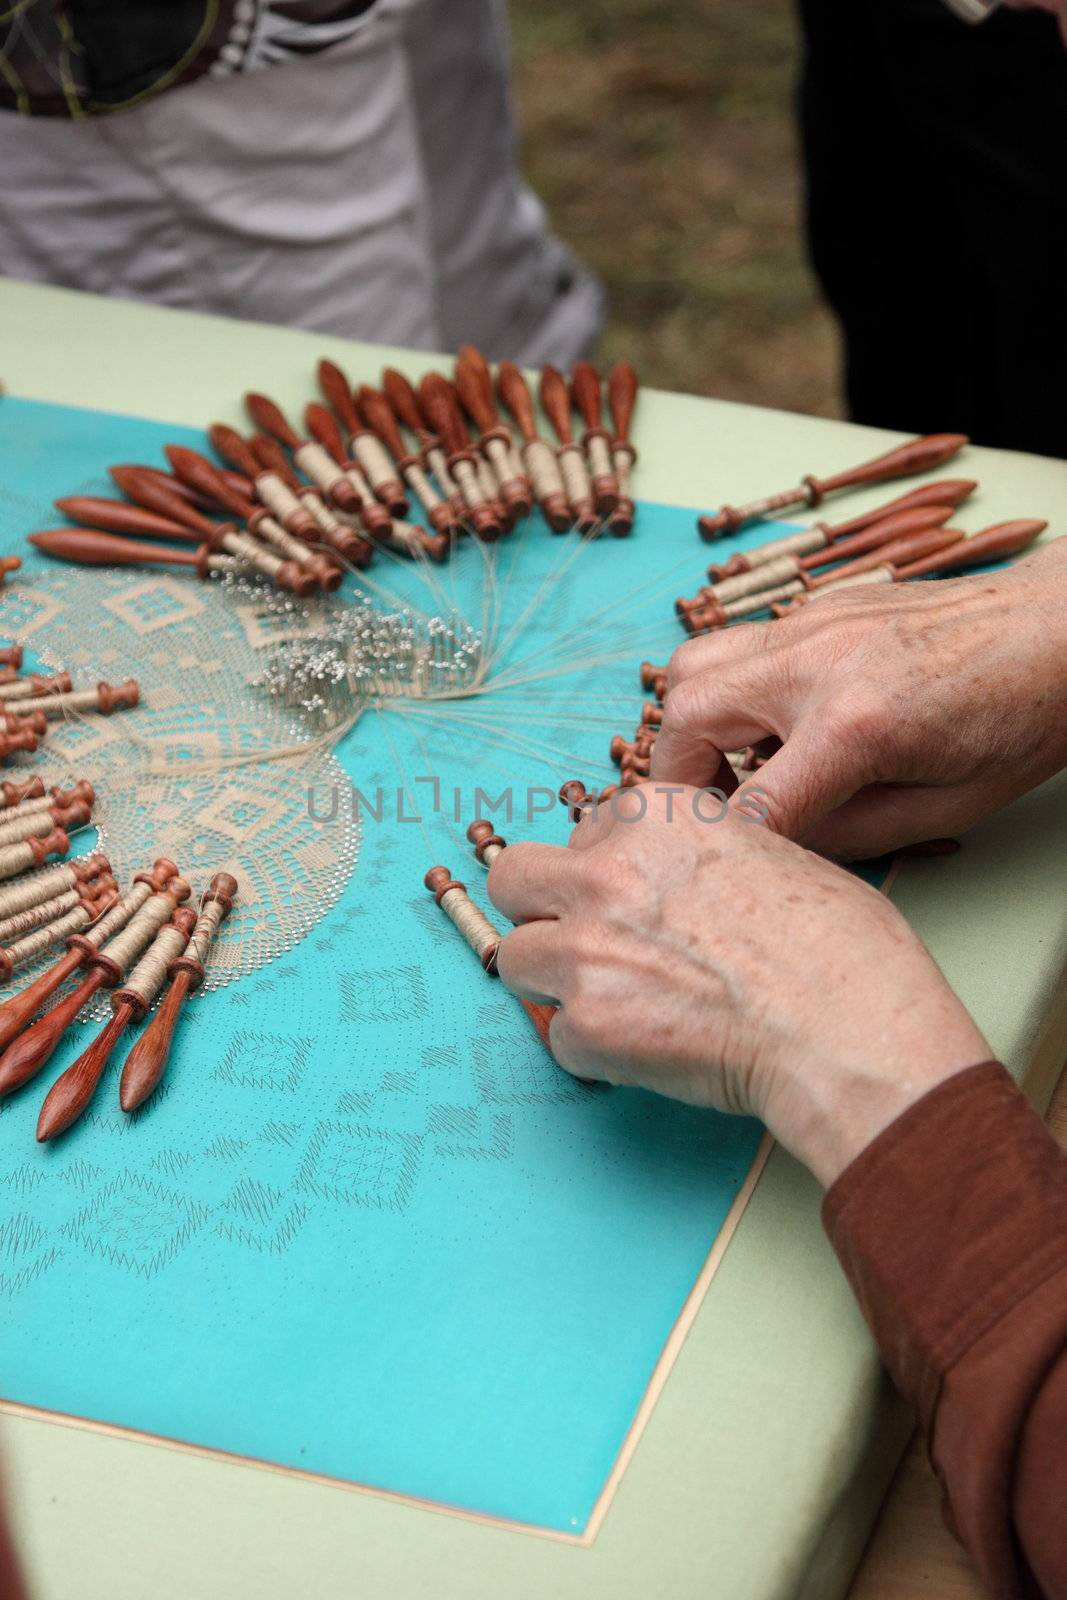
367	1228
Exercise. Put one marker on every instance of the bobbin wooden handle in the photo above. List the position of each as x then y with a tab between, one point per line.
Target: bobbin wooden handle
913	547
120	517
946	492
622	397
270	457
475	400
401	396
585	388
323	428
514	393
89	547
227	443
195	470
556	403
920	455
147	1061
992	544
29	1052
73	1089
382	419
337	392
896	526
441	410
270	417
164	495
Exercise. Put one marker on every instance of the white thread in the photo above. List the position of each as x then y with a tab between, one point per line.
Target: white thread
317	464
38	915
277	496
374	459
543	468
767	576
150	973
35	944
471	922
127	945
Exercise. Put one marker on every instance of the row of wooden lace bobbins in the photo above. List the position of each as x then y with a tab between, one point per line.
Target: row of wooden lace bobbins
105	950
279	519
483	511
404	402
597	470
147	1061
538	456
474	387
382	505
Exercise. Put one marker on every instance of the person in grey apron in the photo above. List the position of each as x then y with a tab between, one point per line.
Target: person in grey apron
347	167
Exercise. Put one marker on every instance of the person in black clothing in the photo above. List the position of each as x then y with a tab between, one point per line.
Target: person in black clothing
936	160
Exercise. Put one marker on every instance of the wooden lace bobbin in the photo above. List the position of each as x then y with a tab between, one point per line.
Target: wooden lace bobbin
36	824
326	525
482	937
94	894
373	516
770	574
487	844
118	516
198	471
8	565
16	858
596	442
147	1061
73	1089
125	937
16	1012
578	800
468	918
261	522
948	492
577	484
913	547
14	744
272	490
538	456
654	679
622	398
52	931
33	686
17	794
89	547
35	721
488	484
440	407
19	897
476	362
474	386
391	533
363	442
483	513
309	455
39	801
382	419
106	697
920	455
11	656
404	402
166	480
996	543
159	492
651	715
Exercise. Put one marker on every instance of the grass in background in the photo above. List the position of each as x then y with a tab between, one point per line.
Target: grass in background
660	133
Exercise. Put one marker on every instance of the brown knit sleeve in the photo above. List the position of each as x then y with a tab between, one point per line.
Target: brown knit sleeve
952	1229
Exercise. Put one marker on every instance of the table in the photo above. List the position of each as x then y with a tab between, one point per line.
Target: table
778	1360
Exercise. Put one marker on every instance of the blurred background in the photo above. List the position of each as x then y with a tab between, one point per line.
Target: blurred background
700	247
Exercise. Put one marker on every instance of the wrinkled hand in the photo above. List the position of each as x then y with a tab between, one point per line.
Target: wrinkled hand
905	714
720	964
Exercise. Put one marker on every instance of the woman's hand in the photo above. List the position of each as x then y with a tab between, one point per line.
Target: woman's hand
718	963
904	714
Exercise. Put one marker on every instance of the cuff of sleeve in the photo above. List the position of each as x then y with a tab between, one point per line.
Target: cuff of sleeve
951	1216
